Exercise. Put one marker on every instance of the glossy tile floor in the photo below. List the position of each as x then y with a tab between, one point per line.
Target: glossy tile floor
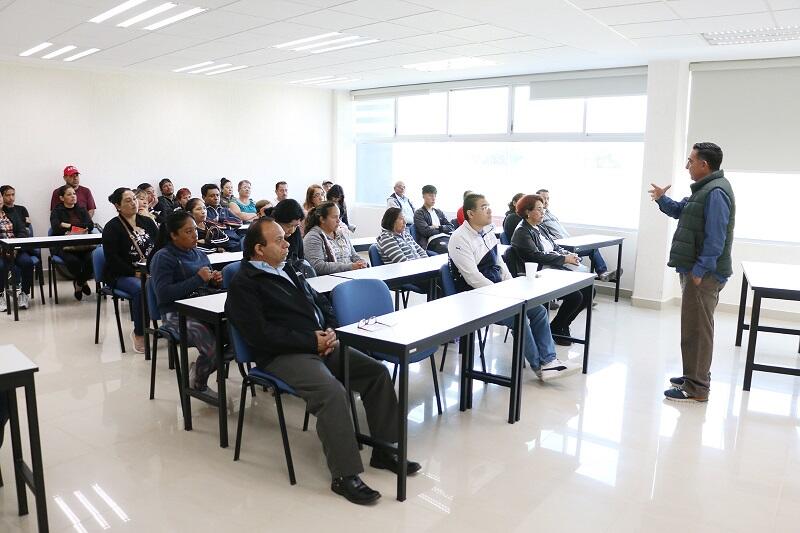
601	452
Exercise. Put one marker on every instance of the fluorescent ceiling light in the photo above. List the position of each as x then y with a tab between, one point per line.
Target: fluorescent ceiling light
318	78
82	54
175	18
190	67
231	69
326	43
60	51
116	10
307	39
147	14
451	64
758	35
349	45
206	69
37	48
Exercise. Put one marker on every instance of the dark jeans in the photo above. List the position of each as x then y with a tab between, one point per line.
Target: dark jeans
79	265
23	268
133	286
317	380
571	306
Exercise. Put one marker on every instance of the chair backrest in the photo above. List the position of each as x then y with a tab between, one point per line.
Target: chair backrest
512	262
504	238
361	298
152	301
240	347
49	232
375	256
99	264
412	229
228	272
448	285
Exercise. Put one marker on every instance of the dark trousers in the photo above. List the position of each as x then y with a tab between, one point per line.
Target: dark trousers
79	265
317	380
698	303
572	304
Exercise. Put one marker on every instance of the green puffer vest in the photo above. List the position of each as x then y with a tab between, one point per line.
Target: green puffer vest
687	243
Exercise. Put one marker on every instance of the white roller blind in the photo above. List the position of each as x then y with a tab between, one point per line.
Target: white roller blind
753	114
589	87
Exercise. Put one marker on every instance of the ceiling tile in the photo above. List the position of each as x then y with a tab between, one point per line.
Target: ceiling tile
285	31
269	9
521	44
482	33
432	40
321	3
97	36
669	43
213	25
331	20
214	50
472	50
436	21
784	4
789	17
591	4
654	29
734	22
385	31
260	57
147	46
634	13
714	8
380	9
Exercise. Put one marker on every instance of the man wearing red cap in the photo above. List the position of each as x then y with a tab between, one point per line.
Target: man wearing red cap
72	177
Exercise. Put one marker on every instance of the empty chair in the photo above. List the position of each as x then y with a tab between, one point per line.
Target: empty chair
99	265
161	332
405	290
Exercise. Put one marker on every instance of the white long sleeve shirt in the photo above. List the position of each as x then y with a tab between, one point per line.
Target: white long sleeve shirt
466	249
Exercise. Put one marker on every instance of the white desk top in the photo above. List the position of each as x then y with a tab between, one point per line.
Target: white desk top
548	282
419	322
323	284
362	244
53	239
397	270
589	241
13	361
772	275
225	257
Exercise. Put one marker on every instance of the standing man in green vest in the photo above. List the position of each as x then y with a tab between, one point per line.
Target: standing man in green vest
701	254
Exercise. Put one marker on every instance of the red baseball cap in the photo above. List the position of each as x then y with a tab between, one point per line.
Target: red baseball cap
71	171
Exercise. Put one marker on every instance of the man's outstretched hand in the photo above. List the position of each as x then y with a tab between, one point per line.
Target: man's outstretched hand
657	192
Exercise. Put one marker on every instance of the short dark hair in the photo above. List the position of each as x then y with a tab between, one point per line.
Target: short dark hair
144	186
336	191
471	203
63	189
162	182
279	184
466	193
254	236
429	189
526	203
710	153
287	210
390	217
540	191
207	187
514	200
319	212
5	188
116	196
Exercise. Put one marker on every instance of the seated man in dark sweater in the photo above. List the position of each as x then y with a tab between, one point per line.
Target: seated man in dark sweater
289	328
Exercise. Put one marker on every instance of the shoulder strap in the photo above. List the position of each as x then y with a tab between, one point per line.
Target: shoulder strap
129	231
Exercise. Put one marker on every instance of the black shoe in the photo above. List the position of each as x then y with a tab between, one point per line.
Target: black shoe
677	382
389	461
560	340
355	490
77	292
86	290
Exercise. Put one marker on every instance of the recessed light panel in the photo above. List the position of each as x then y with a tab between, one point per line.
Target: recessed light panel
759	35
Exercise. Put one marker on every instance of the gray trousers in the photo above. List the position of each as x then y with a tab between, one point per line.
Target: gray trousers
317	380
697	332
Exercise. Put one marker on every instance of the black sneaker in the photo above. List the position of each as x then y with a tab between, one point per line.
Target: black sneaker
355	490
680	395
677	382
388	461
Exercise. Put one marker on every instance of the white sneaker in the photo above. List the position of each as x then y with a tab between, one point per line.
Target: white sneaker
3	306
557	369
22	300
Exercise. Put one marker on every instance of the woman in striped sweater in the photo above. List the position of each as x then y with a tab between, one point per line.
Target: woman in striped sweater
395	243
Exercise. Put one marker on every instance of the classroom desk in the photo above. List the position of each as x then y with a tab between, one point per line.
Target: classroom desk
547	286
362	244
768	280
211	310
16	371
27	243
584	244
425	270
459	315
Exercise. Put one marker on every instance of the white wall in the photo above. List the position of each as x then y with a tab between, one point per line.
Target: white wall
122	129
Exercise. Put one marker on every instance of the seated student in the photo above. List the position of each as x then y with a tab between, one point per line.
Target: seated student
533	243
166	202
262	206
314	196
151	195
395	243
181	197
221	215
72	177
178	270
335	194
433	229
70	218
289	215
289	328
9	229
399	199
211	236
128	239
460	212
19	217
281	192
512	219
226	192
474	263
143	200
558	231
327	247
326	185
243	207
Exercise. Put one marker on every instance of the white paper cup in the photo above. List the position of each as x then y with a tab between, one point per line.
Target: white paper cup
530	270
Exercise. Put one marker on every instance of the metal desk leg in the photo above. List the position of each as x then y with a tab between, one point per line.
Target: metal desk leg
145	316
751	344
187	399
36	456
16	452
221	389
742	307
470	365
462	350
516	368
402	433
619	272
587	334
13	287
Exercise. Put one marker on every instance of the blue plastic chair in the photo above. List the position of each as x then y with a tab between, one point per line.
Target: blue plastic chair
504	238
103	289
358	299
52	281
36	258
403	292
228	273
161	332
256	376
449	289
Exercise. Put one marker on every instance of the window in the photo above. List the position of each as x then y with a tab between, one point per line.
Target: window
478	111
546	116
424	114
619	114
375	118
754	221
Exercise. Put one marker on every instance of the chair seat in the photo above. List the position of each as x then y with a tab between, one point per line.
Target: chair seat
414	288
115	292
57	259
256	374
